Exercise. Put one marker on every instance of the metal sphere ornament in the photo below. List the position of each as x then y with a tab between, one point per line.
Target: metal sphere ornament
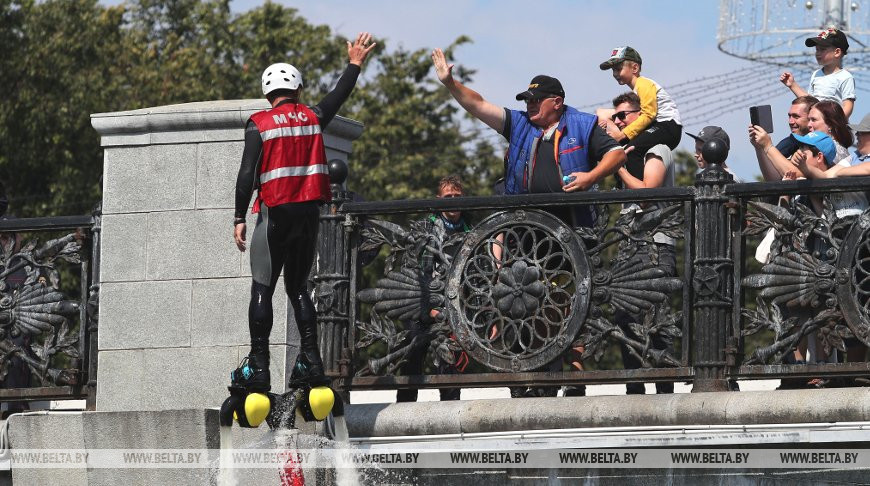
714	151
337	171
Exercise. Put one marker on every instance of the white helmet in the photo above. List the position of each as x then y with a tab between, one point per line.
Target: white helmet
281	76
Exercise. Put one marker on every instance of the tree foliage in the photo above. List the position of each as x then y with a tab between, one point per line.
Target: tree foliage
66	59
413	135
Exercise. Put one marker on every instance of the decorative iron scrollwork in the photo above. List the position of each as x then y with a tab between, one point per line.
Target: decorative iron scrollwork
515	299
634	283
406	294
805	286
35	317
520	288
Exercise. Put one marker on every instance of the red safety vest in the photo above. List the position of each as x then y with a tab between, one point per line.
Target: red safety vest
293	168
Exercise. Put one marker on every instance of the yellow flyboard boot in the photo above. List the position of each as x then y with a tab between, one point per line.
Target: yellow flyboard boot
320	401
247	409
257	407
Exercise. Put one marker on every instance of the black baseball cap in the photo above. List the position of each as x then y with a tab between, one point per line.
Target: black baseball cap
829	38
542	86
709	133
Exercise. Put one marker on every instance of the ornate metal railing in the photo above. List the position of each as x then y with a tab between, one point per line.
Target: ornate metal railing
814	282
49	295
523	289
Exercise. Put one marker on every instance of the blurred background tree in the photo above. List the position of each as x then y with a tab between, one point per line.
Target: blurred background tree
66	59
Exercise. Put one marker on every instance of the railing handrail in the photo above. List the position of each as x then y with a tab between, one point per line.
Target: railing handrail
518	201
46	223
804	186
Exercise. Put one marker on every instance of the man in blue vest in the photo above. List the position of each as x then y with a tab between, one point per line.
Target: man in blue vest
552	147
550	142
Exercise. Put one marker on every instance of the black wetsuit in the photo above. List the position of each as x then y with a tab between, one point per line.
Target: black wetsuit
285	237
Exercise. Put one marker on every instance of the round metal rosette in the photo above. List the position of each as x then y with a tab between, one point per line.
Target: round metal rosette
518	290
853	278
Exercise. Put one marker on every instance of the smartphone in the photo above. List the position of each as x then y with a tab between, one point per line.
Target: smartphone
760	115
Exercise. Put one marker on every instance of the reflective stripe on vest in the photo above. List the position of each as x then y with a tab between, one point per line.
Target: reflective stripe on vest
304	170
290	132
293	167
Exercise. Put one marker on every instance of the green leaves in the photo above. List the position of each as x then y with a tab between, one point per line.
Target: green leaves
66	59
413	135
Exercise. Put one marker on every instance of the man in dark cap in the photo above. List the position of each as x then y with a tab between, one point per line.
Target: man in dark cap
705	135
553	147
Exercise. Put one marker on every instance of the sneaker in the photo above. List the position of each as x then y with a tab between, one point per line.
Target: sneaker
574	391
250	377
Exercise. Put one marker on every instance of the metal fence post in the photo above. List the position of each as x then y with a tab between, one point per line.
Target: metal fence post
712	281
90	324
332	275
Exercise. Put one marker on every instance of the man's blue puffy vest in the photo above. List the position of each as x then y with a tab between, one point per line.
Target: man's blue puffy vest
573	138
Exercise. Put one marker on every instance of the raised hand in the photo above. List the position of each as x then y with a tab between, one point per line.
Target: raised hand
360	49
786	78
443	70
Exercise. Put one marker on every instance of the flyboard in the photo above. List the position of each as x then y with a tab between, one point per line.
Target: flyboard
311	398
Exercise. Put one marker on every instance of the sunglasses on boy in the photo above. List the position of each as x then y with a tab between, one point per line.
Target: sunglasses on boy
622	114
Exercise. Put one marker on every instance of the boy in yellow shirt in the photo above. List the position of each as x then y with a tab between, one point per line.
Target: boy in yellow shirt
659	119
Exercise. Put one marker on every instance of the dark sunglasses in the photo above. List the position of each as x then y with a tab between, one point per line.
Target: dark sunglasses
622	114
539	100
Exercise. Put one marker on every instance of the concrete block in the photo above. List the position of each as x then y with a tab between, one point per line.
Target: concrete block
170	429
122	248
52	431
191	244
150	178
217	166
179	137
220	312
145	315
174	378
164	379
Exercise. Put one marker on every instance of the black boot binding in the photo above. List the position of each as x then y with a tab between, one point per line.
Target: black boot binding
252	375
308	370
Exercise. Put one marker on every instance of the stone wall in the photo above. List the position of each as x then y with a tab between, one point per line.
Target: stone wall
174	288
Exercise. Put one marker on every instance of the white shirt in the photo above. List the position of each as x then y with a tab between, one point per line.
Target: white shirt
838	86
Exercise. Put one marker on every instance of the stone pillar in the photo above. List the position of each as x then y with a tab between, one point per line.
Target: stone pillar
174	289
714	273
